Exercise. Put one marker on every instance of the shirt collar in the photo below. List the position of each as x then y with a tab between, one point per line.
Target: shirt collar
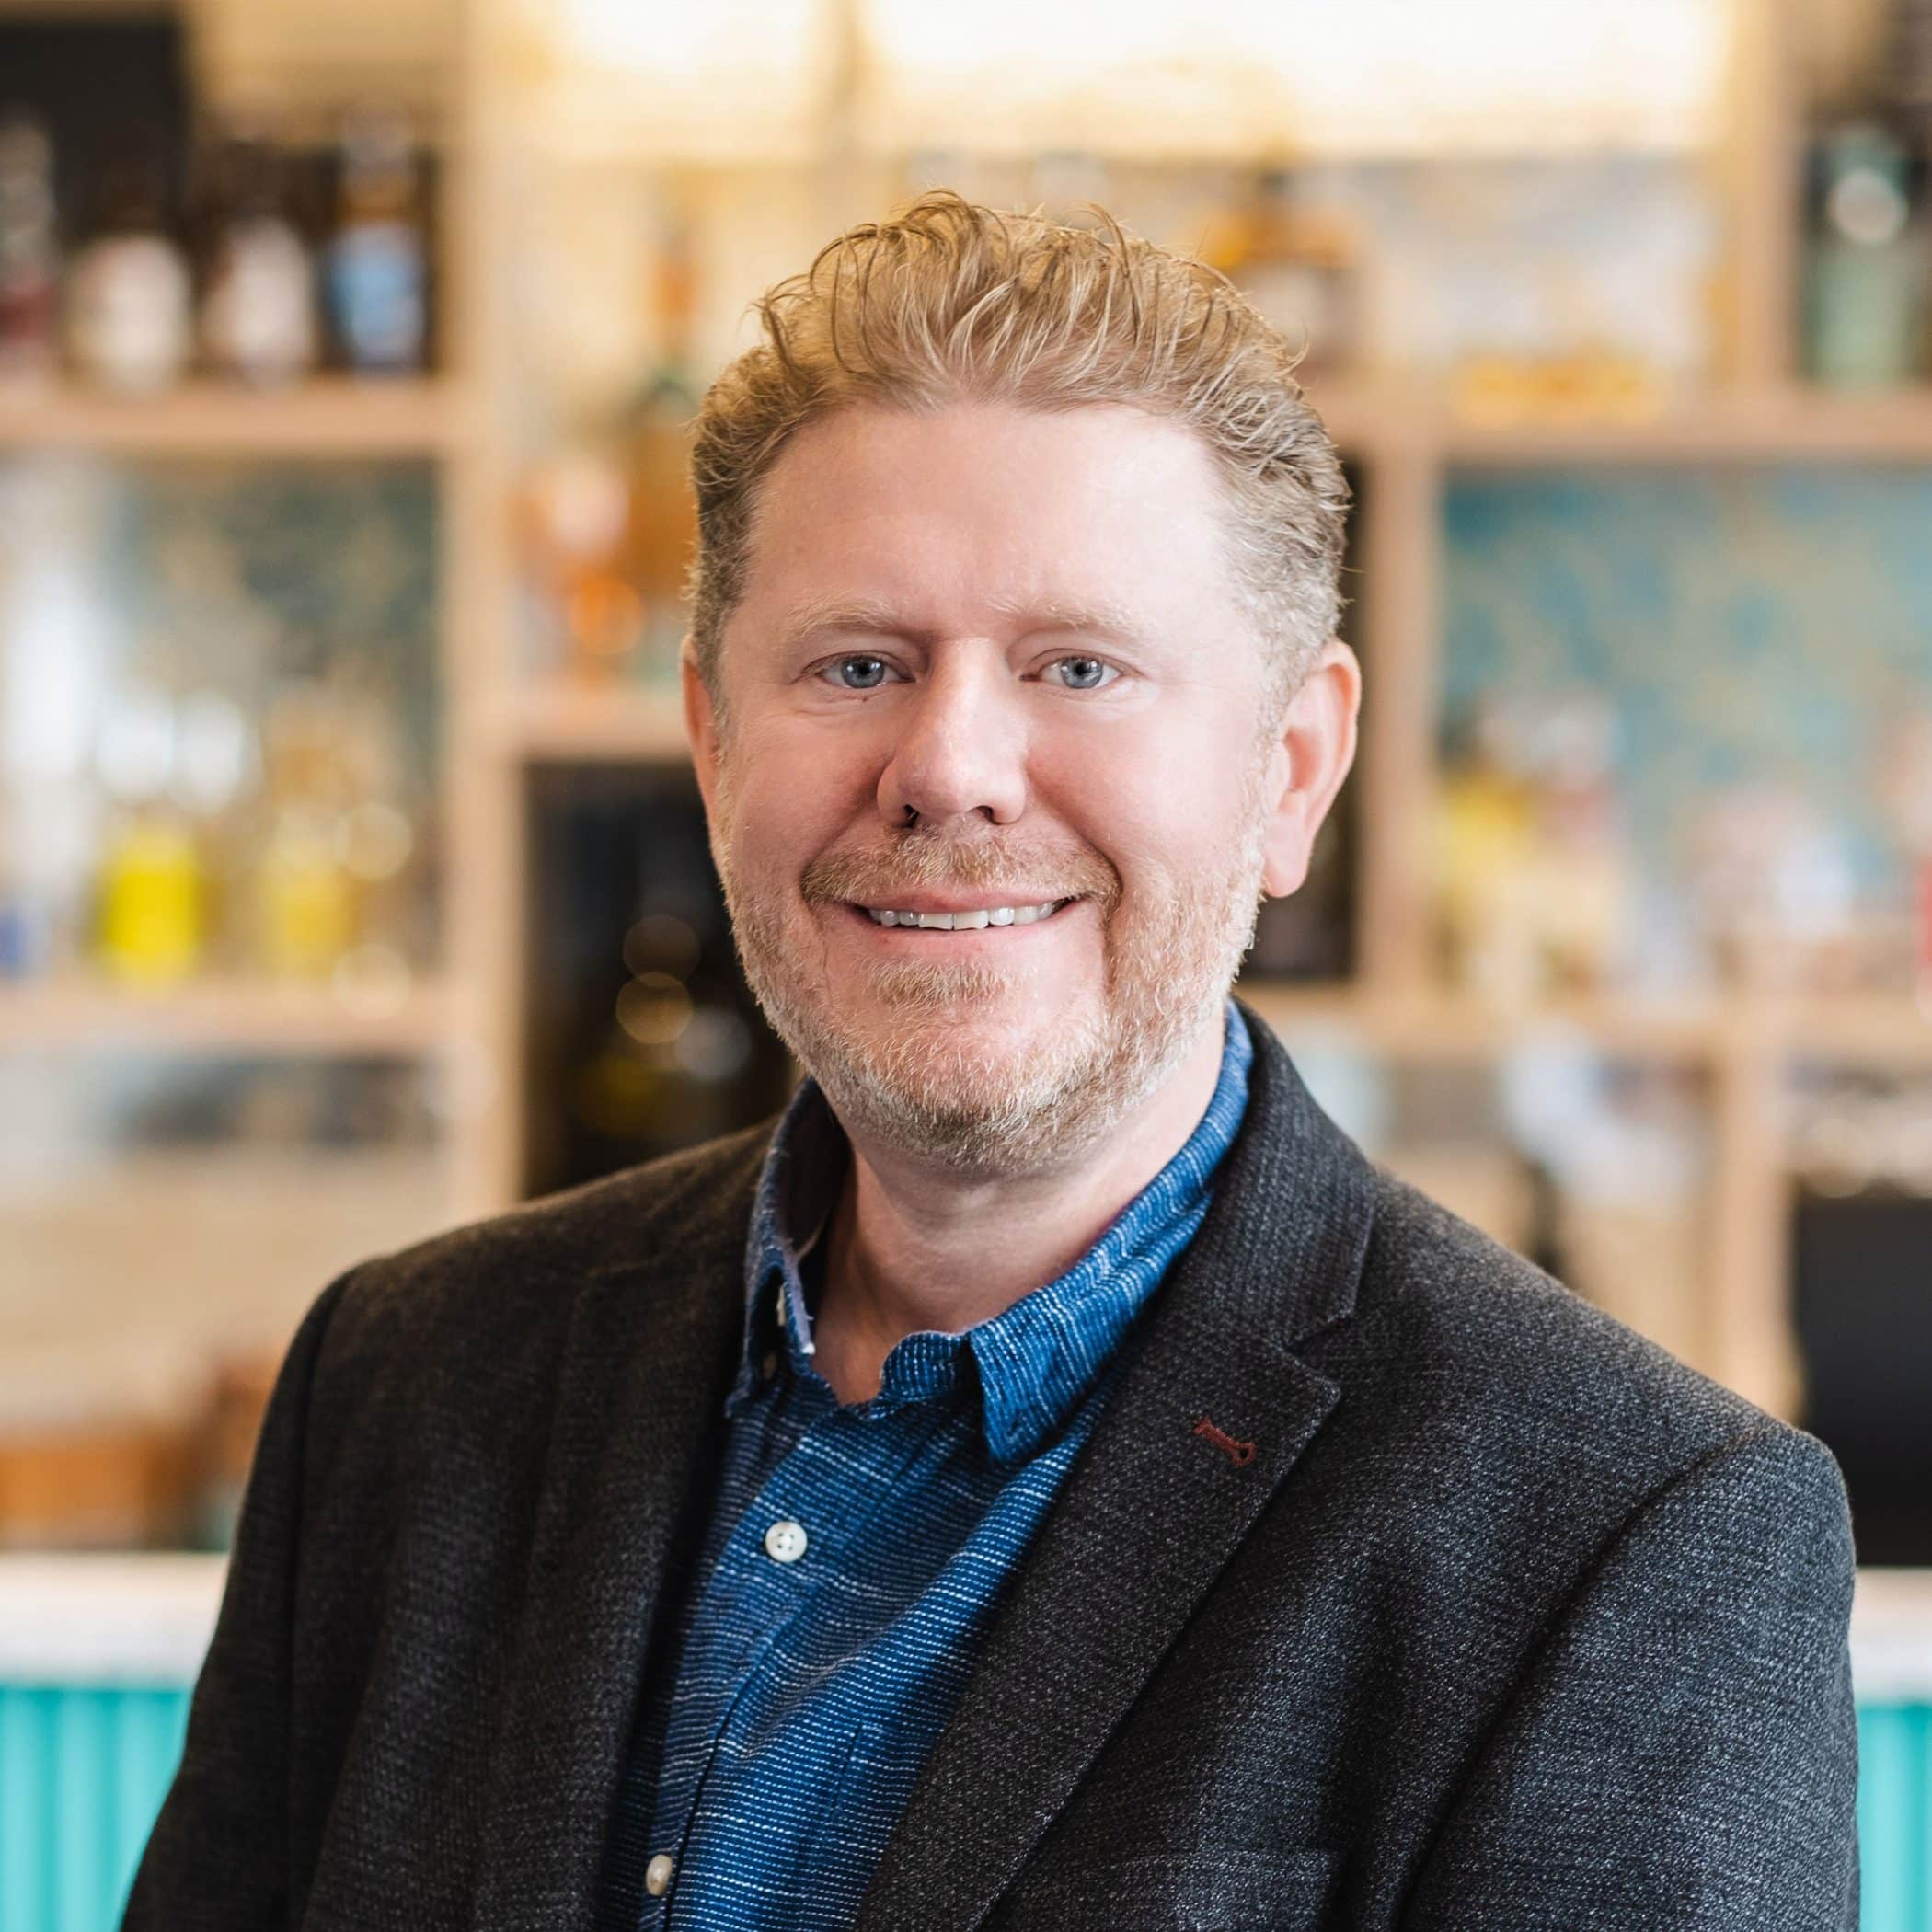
1034	1361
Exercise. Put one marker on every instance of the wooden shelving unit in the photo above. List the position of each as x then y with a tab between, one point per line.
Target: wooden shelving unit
439	420
1408	441
329	419
241	1017
1394	423
589	725
1863	1032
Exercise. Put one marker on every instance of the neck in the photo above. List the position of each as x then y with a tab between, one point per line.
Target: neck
913	1247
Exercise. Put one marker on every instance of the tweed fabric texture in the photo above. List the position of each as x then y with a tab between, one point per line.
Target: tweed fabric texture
778	1750
1511	1621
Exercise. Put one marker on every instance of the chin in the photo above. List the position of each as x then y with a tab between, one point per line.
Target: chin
978	1092
996	1025
961	1048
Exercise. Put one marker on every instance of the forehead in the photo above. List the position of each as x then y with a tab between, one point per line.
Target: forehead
982	511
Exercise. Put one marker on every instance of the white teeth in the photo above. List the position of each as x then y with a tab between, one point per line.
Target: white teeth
967	922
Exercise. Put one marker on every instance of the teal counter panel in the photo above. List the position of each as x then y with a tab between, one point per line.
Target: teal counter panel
1895	1817
84	1771
82	1774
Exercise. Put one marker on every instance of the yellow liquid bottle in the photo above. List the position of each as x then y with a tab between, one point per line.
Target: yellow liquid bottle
153	920
306	898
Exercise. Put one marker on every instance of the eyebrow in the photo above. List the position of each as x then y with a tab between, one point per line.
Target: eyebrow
824	616
828	616
1103	619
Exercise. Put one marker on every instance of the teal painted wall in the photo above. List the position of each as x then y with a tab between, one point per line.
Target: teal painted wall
83	1772
1748	624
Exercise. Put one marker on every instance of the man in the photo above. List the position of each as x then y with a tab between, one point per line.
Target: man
1050	1478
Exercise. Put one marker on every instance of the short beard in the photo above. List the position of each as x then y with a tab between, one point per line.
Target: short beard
937	1099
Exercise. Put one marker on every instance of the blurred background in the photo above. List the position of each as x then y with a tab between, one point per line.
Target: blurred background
352	882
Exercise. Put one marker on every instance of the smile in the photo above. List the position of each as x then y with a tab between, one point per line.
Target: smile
974	921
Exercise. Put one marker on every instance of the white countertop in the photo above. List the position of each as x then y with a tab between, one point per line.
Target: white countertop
106	1619
147	1618
1891	1637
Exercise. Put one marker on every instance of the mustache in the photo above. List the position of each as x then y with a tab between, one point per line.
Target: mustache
936	863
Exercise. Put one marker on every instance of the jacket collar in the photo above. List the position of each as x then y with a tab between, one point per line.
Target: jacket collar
654	1344
1027	1368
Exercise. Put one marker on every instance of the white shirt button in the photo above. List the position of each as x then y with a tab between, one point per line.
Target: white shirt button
657	1874
785	1542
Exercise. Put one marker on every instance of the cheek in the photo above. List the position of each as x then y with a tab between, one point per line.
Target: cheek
792	794
1166	805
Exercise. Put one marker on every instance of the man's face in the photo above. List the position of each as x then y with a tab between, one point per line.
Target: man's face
989	670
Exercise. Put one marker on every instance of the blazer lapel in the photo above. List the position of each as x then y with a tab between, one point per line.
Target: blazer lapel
653	1350
1152	1509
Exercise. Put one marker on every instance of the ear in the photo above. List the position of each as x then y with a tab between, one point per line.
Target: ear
700	724
1307	764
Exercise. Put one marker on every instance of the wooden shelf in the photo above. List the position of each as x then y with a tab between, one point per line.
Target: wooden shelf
618	724
1857	1029
330	417
219	1016
1380	420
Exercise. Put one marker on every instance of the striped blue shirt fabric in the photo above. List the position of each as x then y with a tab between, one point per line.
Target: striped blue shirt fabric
855	1553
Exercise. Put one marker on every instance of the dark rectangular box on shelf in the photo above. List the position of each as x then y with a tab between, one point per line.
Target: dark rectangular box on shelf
641	1035
1862	1301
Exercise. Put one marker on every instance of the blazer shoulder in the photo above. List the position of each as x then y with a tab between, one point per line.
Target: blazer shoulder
512	1276
1508	1353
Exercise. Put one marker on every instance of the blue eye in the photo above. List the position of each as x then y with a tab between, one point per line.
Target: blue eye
861	672
1084	674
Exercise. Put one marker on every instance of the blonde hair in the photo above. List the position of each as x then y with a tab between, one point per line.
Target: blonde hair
951	302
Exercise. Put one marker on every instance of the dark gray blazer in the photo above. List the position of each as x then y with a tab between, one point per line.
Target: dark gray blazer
1508	1621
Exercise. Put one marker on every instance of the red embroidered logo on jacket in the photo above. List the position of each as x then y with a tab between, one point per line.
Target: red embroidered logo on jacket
1240	1454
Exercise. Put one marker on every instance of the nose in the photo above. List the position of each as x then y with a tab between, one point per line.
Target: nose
960	751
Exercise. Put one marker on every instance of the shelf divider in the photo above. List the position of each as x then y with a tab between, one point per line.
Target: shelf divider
228	1015
327	417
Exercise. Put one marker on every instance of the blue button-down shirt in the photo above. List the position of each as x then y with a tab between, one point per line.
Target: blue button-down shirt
856	1553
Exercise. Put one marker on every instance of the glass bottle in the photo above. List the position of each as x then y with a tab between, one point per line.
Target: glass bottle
1296	265
305	895
257	302
29	255
23	941
151	913
215	771
129	293
573	521
377	261
1485	859
1865	277
379	844
662	528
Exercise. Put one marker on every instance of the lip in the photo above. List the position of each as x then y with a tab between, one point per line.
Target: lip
958	902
